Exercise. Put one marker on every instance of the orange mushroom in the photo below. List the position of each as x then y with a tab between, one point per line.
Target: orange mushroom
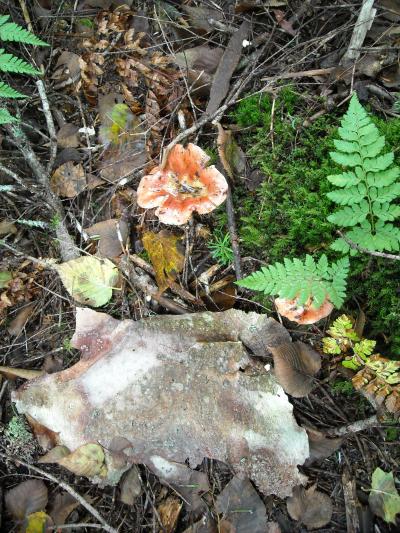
184	184
302	314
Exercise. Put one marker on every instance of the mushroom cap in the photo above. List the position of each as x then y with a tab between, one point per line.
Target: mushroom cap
304	314
184	185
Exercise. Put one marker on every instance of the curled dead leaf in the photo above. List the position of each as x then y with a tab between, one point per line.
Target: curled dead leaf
54	455
169	511
62	507
310	507
131	486
182	186
68	136
26	498
18	323
320	446
12	373
295	364
45	437
231	155
111	236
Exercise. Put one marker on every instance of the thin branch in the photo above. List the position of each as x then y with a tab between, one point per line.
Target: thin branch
50	124
66	487
14	176
365	251
355	427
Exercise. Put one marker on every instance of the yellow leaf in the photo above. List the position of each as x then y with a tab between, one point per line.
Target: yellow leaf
87	460
89	280
165	256
38	522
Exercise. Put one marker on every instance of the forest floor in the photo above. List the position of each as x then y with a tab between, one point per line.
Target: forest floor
261	86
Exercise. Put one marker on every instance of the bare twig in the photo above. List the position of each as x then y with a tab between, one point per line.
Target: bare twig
67	246
14	176
233	234
365	251
355	427
50	124
363	24
66	487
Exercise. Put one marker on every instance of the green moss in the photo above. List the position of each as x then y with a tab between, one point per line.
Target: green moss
287	214
343	387
17	431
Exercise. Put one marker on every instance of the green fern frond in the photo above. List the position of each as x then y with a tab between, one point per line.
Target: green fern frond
8	92
10	63
303	280
9	31
367	187
6	118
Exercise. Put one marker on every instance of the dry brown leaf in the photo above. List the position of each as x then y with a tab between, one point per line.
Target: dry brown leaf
68	136
310	507
226	67
55	454
156	381
18	323
90	65
26	498
200	16
7	227
165	256
169	512
231	155
131	486
62	507
68	180
283	23
242	507
295	364
199	64
67	70
206	525
320	446
45	437
111	236
189	484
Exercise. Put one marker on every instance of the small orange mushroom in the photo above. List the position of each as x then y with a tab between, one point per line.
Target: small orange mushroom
184	184
302	314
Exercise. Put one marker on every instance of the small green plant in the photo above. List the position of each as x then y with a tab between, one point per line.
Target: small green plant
368	186
343	387
221	248
304	280
9	31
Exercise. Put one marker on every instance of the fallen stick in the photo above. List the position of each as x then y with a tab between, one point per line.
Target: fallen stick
355	427
363	24
67	488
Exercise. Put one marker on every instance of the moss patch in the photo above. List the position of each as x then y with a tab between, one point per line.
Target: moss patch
286	215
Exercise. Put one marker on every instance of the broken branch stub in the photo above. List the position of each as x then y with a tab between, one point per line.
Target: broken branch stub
177	388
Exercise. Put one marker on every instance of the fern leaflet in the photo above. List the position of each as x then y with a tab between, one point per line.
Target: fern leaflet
303	280
10	63
5	117
8	92
367	186
9	31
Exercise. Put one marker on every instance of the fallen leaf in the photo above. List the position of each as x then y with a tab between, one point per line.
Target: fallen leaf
226	67
7	227
18	323
13	373
67	70
165	256
62	507
45	437
5	277
68	180
87	460
199	65
283	23
206	525
246	5
111	236
384	500
89	280
169	512
38	522
26	498
310	507
320	446
123	139
55	454
200	16
173	385
188	483
231	155
295	364
130	486
68	136
242	507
